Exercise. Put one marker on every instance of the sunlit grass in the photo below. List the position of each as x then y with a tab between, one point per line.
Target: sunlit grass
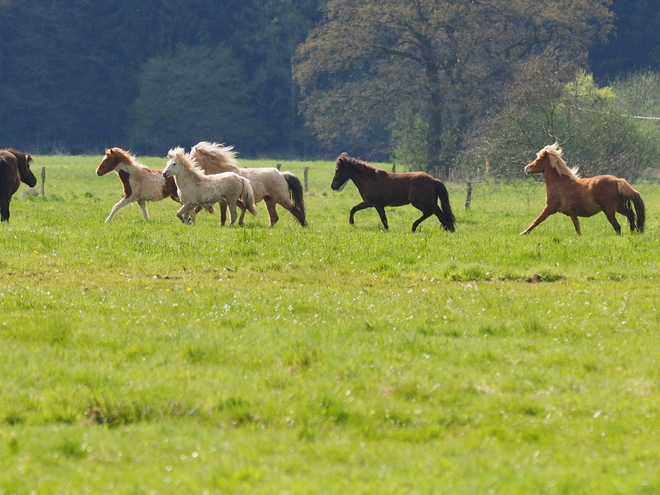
140	357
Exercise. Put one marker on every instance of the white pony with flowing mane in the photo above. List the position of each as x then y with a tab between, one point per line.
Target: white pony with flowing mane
268	183
198	189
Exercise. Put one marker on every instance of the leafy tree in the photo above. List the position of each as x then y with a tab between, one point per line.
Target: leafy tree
370	62
195	95
585	119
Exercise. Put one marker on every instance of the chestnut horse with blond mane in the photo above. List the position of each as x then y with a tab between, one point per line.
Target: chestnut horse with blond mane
140	183
568	194
268	183
379	189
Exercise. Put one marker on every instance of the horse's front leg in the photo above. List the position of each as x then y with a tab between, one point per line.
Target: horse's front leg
360	206
544	214
120	204
272	211
143	206
184	215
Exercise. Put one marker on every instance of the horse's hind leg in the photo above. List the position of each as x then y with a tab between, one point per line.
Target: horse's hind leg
422	218
625	210
611	216
241	206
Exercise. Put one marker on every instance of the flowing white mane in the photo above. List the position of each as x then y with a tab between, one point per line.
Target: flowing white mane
179	155
554	154
220	154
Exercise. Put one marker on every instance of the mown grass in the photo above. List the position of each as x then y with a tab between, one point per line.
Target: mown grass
157	357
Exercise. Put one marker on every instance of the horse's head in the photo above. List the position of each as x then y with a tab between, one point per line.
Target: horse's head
342	172
23	162
112	158
539	165
550	158
174	163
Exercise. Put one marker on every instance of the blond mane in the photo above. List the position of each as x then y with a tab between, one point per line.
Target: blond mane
219	154
554	154
124	157
179	154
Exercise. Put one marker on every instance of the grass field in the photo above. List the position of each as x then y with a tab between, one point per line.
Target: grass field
155	357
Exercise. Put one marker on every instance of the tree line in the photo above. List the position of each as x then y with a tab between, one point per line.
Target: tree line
427	83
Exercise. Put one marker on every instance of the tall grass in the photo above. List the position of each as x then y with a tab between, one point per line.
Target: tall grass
157	357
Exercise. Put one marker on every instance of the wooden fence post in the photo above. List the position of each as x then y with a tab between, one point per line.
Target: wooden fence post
468	199
278	166
43	180
306	175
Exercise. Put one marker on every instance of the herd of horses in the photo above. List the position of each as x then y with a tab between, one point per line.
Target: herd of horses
210	174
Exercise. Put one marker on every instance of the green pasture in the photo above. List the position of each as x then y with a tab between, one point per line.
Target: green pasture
155	357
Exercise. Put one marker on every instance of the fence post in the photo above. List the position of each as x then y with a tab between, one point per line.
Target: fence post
43	180
306	175
468	199
278	166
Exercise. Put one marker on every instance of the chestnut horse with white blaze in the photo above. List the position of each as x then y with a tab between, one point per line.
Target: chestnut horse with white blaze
141	184
568	194
379	189
14	169
268	183
198	189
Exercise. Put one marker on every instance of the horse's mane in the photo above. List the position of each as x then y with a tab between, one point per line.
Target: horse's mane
554	153
125	157
356	164
188	163
218	153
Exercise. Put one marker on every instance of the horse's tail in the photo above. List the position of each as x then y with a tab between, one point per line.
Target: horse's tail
449	221
247	196
629	194
297	197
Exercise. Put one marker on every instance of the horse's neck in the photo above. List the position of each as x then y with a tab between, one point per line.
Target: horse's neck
365	174
552	177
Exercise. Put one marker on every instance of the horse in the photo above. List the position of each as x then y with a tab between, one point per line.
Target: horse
568	194
140	183
379	189
14	169
268	183
199	189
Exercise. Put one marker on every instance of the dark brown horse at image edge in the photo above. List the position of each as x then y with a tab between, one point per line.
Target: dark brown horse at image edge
568	194
14	169
379	189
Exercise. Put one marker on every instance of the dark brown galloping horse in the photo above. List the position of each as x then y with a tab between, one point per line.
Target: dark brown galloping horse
14	169
379	189
575	197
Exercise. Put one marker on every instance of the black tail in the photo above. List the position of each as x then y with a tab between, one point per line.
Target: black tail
449	221
297	197
640	210
629	194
